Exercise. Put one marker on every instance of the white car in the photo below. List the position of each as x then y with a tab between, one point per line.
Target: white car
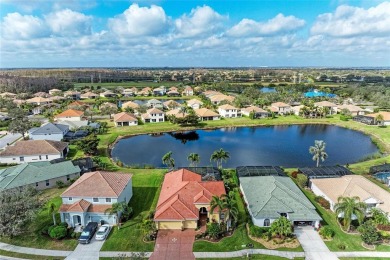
103	232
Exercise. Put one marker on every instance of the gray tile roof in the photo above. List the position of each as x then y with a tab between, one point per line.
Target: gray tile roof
268	196
49	128
30	173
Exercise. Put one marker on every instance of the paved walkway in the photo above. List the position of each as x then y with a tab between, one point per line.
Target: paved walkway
8	139
174	245
87	251
245	252
33	251
314	247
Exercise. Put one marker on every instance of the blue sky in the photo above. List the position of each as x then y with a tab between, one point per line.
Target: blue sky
93	33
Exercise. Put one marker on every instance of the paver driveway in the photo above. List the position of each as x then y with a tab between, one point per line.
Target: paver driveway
87	252
174	245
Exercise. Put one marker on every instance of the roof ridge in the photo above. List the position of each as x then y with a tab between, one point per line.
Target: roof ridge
108	183
78	181
15	176
291	192
270	196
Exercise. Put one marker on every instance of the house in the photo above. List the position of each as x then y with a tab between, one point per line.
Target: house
171	104
78	105
280	108
160	91
130	104
38	101
34	150
354	110
385	115
228	111
125	119
194	103
154	103
206	114
74	125
49	131
216	99
173	93
176	113
8	95
41	94
153	115
40	175
296	110
188	91
332	107
108	104
88	198
324	172
173	89
210	93
89	95
70	115
75	95
129	92
184	201
257	112
270	197
55	98
108	94
352	186
54	91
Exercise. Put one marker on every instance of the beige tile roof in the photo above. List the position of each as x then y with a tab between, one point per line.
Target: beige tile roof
37	100
227	106
351	108
154	111
98	184
34	147
221	97
204	112
124	117
325	104
70	113
130	104
176	112
386	115
280	104
194	101
353	185
253	109
171	103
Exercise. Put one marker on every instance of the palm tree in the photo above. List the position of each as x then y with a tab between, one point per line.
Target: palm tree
194	159
168	160
217	202
117	209
219	156
183	110
350	207
318	151
230	205
52	211
379	119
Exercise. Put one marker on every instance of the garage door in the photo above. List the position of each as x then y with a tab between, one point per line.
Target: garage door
303	223
170	225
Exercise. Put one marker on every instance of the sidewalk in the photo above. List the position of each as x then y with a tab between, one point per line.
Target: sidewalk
33	251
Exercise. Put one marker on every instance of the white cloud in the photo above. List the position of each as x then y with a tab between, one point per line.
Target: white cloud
280	24
69	23
348	21
19	26
140	21
202	20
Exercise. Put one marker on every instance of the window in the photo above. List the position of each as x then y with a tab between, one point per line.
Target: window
40	157
70	198
108	200
95	199
36	184
21	158
267	222
283	215
67	177
47	183
47	157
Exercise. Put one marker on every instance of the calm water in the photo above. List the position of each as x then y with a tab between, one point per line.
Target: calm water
275	145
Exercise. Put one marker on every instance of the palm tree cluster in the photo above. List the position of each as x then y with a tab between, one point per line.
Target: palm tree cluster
312	111
225	203
318	151
347	208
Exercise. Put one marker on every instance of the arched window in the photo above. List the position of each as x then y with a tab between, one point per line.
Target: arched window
267	222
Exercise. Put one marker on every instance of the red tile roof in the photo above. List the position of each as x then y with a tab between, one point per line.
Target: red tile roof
70	113
98	184
124	117
78	206
180	191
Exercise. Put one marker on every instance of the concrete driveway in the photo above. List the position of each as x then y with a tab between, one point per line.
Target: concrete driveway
8	139
174	245
314	247
87	251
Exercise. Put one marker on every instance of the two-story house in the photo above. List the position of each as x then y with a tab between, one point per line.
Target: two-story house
331	107
194	103
70	115
280	108
188	91
153	115
88	198
228	111
154	103
49	131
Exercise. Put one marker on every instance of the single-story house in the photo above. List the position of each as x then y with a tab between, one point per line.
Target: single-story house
194	103
160	91
270	197
296	110
55	98
216	99
130	104
38	101
75	95
153	115
324	172
88	95
88	198
41	94
49	131
108	94
228	111
34	151
354	110
280	108
350	186
70	115
385	115
171	104
184	201
7	95
54	91
78	105
74	125
257	112
173	93
154	103
329	105
40	175
206	114
125	119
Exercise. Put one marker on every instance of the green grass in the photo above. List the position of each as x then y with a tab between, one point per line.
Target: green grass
33	237
28	256
74	153
263	257
146	189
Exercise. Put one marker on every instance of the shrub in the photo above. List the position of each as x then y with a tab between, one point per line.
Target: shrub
341	246
60	184
213	230
302	180
63	224
119	163
256	231
323	202
383	227
45	230
326	232
369	233
294	174
58	232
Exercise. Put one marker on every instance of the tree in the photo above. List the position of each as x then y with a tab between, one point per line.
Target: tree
349	207
302	180
188	120
168	160
194	159
217	202
18	207
52	212
281	227
226	203
318	151
219	156
19	123
108	110
369	233
88	144
379	217
379	119
119	209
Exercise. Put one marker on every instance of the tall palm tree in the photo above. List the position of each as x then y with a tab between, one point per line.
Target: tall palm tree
350	207
194	159
318	151
168	160
52	211
219	156
117	209
230	205
217	202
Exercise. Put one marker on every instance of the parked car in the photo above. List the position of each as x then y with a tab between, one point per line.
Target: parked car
103	232
88	233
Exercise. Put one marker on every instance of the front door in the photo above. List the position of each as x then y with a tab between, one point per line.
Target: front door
76	220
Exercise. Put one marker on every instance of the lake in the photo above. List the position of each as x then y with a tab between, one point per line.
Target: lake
286	146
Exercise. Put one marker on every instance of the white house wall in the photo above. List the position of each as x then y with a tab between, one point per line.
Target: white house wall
30	158
127	193
54	137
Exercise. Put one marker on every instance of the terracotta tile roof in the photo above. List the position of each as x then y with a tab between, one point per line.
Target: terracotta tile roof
353	185
98	184
99	208
176	112
171	103
253	109
78	206
70	113
204	112
154	111
34	147
130	104
124	117
386	115
180	191
77	104
221	97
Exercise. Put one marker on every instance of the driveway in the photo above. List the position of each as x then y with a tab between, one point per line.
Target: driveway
8	139
174	245
87	251
314	247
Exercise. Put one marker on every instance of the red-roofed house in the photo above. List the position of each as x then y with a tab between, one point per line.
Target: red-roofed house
92	194
185	199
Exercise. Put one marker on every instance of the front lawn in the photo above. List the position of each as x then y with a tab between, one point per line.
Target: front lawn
146	189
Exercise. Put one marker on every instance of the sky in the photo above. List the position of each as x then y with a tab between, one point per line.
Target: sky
186	33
